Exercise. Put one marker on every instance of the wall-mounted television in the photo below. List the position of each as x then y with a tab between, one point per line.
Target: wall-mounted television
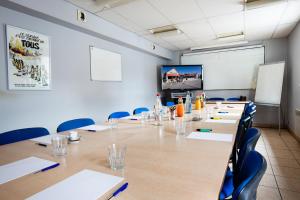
182	77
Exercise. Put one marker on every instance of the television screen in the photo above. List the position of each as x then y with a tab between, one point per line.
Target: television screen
182	77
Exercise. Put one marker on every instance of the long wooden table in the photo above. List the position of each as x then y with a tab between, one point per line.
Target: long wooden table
159	164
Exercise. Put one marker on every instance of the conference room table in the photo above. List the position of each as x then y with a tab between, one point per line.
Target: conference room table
159	163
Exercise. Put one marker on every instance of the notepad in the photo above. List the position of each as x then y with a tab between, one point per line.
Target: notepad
228	114
86	184
95	128
22	167
211	136
222	121
44	139
134	117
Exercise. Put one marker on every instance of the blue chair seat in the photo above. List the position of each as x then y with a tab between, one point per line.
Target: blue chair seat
117	115
74	123
140	110
22	134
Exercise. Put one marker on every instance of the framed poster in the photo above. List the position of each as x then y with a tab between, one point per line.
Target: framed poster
28	57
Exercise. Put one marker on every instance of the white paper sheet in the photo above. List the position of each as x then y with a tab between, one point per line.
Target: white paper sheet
210	136
86	184
134	117
95	128
222	121
44	139
22	167
229	114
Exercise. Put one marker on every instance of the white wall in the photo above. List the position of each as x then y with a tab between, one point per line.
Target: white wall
73	94
294	80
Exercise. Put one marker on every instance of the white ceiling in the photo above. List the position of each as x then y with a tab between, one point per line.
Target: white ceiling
199	20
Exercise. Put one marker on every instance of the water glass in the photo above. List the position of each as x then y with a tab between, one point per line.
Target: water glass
145	116
116	156
113	123
180	126
59	145
219	104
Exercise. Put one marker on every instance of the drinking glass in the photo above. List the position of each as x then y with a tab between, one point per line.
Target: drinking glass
219	104
145	116
180	126
116	156
59	145
113	123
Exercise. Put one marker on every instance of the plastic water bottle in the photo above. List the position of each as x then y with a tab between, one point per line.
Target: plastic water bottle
188	103
158	110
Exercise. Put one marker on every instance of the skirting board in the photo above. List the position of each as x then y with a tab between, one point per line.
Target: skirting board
293	134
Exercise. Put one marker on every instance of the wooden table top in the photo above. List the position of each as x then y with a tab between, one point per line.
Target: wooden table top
159	164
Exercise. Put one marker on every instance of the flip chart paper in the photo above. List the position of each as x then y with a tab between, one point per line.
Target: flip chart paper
22	167
86	184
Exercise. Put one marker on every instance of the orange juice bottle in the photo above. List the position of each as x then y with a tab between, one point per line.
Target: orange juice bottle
180	107
197	103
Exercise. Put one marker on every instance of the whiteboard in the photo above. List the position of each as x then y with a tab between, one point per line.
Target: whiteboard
105	65
228	69
269	83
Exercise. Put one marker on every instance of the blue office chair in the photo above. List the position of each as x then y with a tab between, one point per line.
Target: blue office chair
247	145
118	115
233	99
140	110
170	103
251	173
216	99
74	123
22	134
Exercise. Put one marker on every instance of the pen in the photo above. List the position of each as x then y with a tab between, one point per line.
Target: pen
121	189
204	129
41	144
133	119
215	118
91	130
222	112
48	168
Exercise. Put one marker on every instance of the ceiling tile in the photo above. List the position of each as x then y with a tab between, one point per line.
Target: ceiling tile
230	23
143	14
172	38
220	7
117	19
264	16
292	12
284	30
88	5
259	33
197	30
184	44
178	11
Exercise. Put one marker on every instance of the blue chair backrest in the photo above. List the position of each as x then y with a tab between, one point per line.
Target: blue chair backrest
22	134
140	110
233	99
216	99
117	115
74	123
170	103
247	145
249	177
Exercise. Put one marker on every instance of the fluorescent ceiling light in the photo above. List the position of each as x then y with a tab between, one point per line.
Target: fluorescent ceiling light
218	45
231	37
165	31
253	4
